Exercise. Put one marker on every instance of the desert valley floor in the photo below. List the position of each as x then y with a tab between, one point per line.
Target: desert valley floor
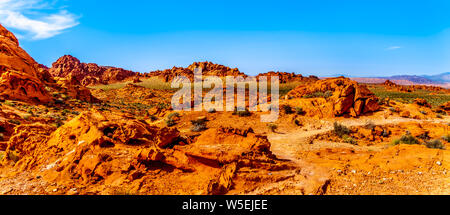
83	129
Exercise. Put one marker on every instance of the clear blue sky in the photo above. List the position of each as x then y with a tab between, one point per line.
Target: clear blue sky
324	38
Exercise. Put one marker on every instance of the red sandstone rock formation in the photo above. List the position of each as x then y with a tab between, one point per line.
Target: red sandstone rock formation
19	73
344	96
208	69
88	73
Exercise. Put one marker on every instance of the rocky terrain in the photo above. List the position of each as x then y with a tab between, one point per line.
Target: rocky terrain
89	73
208	69
84	129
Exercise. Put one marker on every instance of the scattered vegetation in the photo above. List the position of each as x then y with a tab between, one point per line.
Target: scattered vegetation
287	109
350	140
199	125
434	144
170	121
407	139
446	137
14	121
244	113
408	97
325	95
341	130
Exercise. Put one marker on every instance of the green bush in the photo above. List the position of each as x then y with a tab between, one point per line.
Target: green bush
435	144
439	116
341	130
407	139
244	113
348	139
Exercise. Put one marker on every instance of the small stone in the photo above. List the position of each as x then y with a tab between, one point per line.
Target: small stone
439	163
354	171
55	190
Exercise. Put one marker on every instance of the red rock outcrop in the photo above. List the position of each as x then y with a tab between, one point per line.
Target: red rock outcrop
336	97
421	102
19	72
208	69
88	73
285	77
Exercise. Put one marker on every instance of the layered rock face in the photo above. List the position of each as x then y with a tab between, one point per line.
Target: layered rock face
208	69
19	73
285	77
335	97
88	73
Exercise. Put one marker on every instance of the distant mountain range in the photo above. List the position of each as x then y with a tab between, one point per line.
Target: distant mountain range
442	80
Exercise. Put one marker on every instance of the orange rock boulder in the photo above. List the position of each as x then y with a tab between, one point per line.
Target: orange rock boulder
336	97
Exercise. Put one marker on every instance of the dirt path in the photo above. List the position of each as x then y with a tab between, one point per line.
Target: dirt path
286	145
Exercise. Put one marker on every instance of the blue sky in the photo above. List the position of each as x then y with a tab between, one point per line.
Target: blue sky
350	37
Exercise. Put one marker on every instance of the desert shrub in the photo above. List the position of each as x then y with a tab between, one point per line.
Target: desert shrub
2	137
212	110
350	140
272	127
2	155
14	121
446	137
10	103
435	144
341	130
439	116
58	123
314	95
299	111
328	94
27	117
408	140
287	109
393	110
173	115
244	113
423	112
198	125
170	122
